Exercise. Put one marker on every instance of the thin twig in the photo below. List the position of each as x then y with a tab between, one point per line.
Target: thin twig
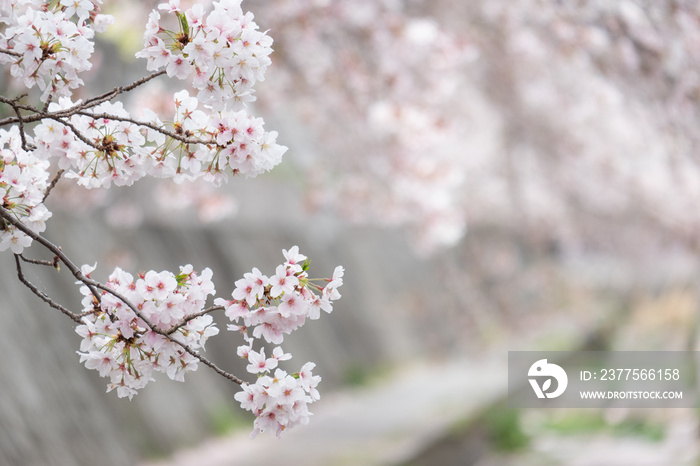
95	285
78	134
62	116
15	102
119	90
192	317
41	294
155	329
4	213
88	313
52	263
22	135
49	99
10	52
161	130
38	114
80	107
216	369
53	184
20	119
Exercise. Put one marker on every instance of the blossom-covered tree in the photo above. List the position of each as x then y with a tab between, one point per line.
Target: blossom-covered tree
539	116
133	326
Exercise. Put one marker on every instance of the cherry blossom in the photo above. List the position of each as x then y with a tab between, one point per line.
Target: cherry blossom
107	151
123	345
251	287
278	401
280	304
154	323
223	52
133	326
104	145
258	362
23	180
50	47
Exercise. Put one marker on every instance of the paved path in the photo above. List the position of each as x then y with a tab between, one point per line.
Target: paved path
379	424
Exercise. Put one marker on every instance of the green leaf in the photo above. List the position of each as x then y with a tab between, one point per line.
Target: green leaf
182	279
183	24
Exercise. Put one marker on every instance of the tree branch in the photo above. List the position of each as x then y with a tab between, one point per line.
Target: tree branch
4	213
20	119
155	329
95	285
52	185
43	296
53	263
161	130
120	90
80	107
77	133
62	116
10	52
194	316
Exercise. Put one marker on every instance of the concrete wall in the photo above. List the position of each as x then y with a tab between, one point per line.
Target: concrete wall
53	411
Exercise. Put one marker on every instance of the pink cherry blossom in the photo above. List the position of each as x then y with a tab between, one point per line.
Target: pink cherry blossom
23	180
280	306
282	282
136	325
258	362
119	344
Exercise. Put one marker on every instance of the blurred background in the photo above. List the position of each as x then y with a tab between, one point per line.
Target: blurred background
493	175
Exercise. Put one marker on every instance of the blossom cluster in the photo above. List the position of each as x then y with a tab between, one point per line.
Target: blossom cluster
272	307
280	401
222	52
50	42
23	181
115	148
134	326
156	322
401	74
237	143
124	343
110	150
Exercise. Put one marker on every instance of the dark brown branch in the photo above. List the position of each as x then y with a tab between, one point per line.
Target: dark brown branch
62	116
15	103
47	103
7	215
10	52
77	133
52	263
120	90
40	115
194	316
155	329
161	130
88	313
95	285
52	185
41	294
20	119
216	369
